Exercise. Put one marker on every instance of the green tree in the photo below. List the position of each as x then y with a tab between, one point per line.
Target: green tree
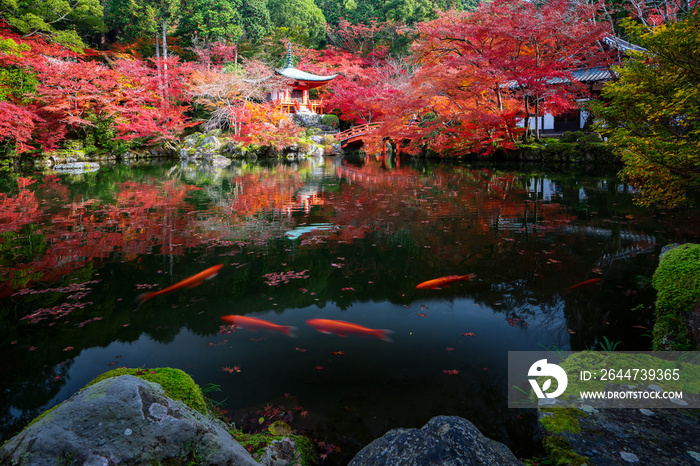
167	12
128	20
299	14
416	11
256	19
16	83
211	20
54	19
401	11
652	113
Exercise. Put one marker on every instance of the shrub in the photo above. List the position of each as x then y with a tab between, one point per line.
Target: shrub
677	282
330	120
314	132
328	140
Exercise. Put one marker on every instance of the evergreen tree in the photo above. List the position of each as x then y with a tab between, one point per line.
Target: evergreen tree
303	15
53	19
256	19
211	20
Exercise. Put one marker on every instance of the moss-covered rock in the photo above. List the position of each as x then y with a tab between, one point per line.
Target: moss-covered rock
125	419
579	430
176	384
677	282
559	451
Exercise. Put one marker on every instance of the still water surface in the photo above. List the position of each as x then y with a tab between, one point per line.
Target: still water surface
321	239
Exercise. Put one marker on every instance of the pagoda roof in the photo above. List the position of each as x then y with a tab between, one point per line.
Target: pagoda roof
298	75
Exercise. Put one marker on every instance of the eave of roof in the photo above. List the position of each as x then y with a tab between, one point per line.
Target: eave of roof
586	75
298	75
622	45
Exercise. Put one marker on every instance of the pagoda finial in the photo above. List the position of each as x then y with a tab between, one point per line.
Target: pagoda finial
289	55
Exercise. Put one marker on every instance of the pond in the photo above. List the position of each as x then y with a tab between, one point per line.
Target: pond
337	239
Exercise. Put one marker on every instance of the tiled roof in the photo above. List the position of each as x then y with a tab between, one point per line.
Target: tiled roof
622	45
587	75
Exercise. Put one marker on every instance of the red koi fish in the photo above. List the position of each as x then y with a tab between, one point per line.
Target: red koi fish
191	282
343	329
444	281
253	324
592	281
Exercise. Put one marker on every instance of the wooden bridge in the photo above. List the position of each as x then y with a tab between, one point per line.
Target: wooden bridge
355	133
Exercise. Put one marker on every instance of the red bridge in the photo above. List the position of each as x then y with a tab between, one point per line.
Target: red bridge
355	133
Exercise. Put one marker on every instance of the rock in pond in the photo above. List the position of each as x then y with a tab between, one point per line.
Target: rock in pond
444	440
123	420
77	167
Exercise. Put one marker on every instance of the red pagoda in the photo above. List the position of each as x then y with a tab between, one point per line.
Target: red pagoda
295	98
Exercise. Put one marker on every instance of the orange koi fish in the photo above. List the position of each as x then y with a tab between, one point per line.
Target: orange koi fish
444	281
191	282
342	328
253	324
592	281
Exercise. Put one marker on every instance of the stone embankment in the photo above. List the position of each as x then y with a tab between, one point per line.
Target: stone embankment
212	148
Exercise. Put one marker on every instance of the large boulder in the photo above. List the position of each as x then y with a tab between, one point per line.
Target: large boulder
444	440
124	420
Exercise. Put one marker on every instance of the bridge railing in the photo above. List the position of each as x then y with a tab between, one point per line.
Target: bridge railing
355	131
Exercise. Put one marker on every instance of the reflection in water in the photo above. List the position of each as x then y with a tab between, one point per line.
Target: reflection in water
307	245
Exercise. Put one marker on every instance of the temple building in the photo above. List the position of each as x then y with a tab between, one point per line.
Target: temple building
594	79
295	98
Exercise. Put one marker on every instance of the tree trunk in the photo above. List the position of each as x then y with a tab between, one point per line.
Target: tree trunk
526	122
157	48
537	120
165	44
160	79
166	83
